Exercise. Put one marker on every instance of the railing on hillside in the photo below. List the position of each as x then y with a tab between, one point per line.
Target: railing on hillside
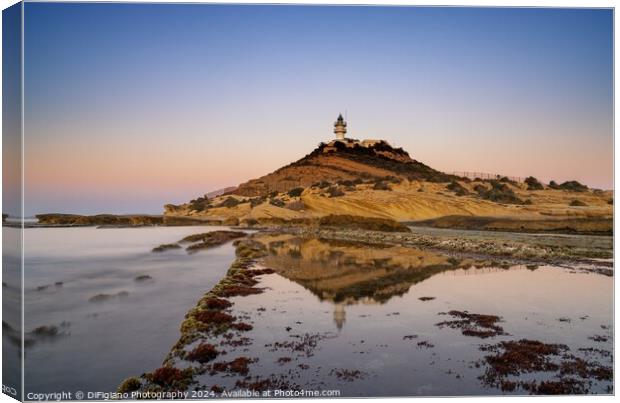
484	175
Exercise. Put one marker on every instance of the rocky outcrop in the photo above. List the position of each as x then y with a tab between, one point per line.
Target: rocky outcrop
579	225
374	179
114	220
342	161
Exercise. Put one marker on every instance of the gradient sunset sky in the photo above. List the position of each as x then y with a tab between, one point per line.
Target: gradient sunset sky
129	107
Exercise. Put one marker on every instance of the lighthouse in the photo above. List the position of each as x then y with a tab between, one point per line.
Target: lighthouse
340	128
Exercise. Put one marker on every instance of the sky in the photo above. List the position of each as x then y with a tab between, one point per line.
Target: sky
11	111
132	106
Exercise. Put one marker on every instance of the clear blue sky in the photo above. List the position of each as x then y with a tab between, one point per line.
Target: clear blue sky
129	107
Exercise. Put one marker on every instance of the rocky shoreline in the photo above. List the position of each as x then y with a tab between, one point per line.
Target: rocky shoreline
113	221
551	225
498	246
504	251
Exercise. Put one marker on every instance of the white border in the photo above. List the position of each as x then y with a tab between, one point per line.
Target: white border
476	3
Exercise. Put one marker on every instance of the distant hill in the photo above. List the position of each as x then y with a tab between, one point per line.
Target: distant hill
220	192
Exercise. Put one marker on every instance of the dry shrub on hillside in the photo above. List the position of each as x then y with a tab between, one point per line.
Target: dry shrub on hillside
229	202
572	186
380	185
334	192
276	202
200	204
533	183
505	179
500	193
256	201
296	192
321	184
457	188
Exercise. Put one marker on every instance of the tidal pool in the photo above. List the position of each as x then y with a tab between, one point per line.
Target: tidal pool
390	321
360	319
90	319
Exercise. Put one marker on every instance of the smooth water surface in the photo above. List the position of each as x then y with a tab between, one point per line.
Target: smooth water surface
93	344
364	319
358	318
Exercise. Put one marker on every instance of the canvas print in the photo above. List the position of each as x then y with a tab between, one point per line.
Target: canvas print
275	201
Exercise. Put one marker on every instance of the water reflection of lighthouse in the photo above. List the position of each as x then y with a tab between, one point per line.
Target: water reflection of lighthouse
340	316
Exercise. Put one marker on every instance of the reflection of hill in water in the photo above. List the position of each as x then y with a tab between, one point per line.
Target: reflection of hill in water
346	272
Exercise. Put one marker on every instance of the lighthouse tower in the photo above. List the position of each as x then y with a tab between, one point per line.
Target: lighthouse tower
340	128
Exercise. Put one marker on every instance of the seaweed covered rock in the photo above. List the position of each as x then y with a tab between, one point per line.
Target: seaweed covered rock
129	385
166	246
210	239
171	378
203	353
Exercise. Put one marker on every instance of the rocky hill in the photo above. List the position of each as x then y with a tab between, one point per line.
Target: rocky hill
340	161
377	180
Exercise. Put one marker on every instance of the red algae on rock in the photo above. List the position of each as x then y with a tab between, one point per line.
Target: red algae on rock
244	279
237	291
559	387
214	317
522	356
242	326
238	365
260	384
473	324
170	377
586	369
348	375
242	341
284	360
217	303
305	344
203	353
208	321
572	375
